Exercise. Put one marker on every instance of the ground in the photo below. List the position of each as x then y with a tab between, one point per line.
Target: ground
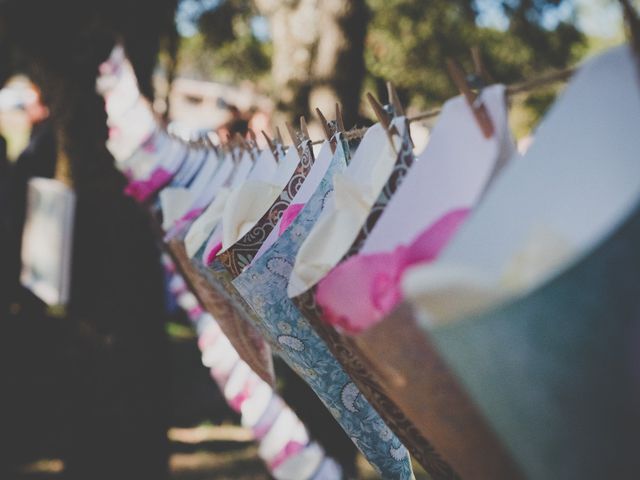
206	441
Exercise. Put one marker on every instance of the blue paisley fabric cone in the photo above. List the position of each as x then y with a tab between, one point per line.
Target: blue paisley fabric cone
264	286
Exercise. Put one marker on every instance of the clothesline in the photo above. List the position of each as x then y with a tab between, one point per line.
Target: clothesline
526	86
512	90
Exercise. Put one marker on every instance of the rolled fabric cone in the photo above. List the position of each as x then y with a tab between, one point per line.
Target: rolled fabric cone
246	340
263	286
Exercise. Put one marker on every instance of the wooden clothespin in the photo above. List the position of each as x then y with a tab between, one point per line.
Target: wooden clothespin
270	143
298	137
232	146
252	144
339	119
394	100
325	125
331	128
252	137
473	99
279	138
279	144
241	142
383	117
479	67
633	25
224	145
304	128
209	143
229	141
295	138
378	110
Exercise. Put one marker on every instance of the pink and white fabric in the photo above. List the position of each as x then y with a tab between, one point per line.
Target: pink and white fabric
430	205
200	230
146	157
182	205
361	291
288	216
311	183
169	161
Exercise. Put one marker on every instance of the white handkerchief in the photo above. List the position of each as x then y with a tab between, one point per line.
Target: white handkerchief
145	159
323	160
265	166
346	211
201	185
249	201
225	178
175	202
206	223
452	173
245	206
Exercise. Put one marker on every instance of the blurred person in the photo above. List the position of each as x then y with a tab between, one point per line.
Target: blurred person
31	344
92	380
4	159
237	123
37	160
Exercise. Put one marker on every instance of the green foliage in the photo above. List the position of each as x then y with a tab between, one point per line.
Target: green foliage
409	42
225	47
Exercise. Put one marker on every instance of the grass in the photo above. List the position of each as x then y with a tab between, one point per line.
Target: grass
223	452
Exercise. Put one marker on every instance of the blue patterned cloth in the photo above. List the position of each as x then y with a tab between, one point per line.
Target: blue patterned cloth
264	286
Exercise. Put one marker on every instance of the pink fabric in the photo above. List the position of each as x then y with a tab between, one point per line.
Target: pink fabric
358	293
214	251
150	146
220	376
180	224
142	190
236	402
195	312
128	173
289	215
289	450
114	132
192	214
168	265
207	339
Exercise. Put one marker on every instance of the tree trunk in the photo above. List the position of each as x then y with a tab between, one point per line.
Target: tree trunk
114	376
318	56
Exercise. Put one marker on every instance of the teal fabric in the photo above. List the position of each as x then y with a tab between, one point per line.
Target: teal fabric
264	287
553	372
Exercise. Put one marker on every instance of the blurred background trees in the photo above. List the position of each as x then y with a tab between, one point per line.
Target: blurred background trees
307	53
